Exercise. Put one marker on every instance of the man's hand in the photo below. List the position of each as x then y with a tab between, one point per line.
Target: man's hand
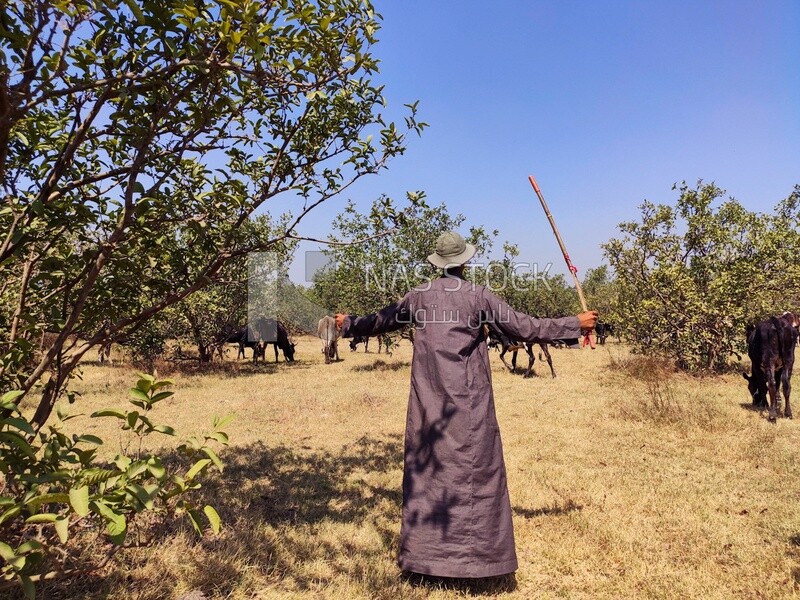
340	321
588	319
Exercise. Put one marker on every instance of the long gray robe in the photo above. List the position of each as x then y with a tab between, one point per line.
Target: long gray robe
456	510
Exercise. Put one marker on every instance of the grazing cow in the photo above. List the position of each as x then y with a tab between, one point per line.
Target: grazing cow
603	330
258	335
770	346
498	338
282	341
239	336
358	339
329	334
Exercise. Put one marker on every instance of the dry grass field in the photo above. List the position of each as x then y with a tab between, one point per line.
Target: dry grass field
626	480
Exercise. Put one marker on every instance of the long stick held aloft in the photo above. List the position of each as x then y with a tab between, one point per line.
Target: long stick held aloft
572	268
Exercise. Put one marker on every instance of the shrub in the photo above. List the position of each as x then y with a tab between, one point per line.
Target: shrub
53	486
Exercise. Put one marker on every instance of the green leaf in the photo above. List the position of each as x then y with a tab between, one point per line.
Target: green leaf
109	412
54	498
136	469
163	383
20	424
10	397
62	529
133	416
140	396
156	468
165	429
13	438
90	439
136	10
219	436
28	587
198	466
194	519
6	551
161	396
42	518
116	526
213	518
29	546
141	494
214	458
219	423
122	462
10	513
79	499
145	382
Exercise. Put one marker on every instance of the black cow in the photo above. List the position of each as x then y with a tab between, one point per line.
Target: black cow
239	336
603	330
770	346
281	340
498	338
258	335
359	339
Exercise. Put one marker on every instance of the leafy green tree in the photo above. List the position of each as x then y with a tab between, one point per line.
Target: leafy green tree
601	293
138	138
367	276
690	277
525	287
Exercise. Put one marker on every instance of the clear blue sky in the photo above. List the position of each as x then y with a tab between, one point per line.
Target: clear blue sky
605	102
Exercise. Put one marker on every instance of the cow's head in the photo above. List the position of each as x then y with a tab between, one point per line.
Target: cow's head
757	392
289	351
353	345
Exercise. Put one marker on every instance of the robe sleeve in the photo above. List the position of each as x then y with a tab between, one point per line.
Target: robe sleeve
393	317
524	328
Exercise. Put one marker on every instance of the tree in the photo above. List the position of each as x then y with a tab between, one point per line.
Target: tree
691	277
363	278
525	288
601	294
138	138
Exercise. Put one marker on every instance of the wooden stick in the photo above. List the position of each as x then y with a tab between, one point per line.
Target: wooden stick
572	268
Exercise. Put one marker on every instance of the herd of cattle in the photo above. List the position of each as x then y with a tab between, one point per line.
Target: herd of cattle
770	347
264	332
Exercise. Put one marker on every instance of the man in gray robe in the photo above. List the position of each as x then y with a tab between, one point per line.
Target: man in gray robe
456	510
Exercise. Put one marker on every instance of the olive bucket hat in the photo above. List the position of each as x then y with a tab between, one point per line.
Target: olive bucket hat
451	251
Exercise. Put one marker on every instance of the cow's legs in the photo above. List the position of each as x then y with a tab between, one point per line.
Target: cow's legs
773	393
240	353
531	359
549	359
336	349
366	345
786	382
503	351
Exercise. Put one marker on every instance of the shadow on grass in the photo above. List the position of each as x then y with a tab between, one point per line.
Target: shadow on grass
240	368
381	365
522	371
294	522
299	520
485	586
556	510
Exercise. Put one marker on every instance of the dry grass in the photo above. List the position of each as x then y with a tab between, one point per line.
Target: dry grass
627	481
